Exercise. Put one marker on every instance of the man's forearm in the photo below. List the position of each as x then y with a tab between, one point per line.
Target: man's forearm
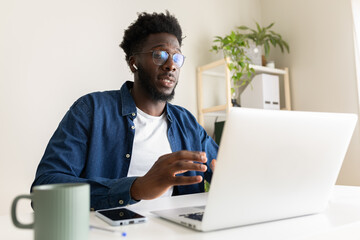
104	193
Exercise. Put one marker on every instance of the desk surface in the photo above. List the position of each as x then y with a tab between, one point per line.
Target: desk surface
341	220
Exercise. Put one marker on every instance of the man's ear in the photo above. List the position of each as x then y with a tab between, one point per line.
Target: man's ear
132	64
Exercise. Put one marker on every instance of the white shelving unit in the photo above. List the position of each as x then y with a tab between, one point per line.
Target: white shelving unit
221	110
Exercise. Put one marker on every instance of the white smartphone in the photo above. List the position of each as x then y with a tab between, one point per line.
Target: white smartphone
120	216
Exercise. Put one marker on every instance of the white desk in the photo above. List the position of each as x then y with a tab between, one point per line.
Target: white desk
341	220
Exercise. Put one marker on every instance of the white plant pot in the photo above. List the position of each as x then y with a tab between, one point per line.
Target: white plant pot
254	53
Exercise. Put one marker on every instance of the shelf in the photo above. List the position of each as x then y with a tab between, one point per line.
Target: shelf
261	69
222	110
257	68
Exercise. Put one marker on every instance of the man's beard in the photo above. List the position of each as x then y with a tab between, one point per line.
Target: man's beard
151	90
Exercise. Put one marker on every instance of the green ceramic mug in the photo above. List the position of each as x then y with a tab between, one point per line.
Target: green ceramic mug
61	211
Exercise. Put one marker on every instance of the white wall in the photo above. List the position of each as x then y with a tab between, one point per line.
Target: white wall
321	62
52	52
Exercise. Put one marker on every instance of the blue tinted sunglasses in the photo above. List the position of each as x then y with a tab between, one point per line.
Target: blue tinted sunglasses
160	57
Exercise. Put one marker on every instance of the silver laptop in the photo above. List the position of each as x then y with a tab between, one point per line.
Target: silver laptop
271	165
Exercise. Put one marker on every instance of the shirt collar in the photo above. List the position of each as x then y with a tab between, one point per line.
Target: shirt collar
127	101
169	113
128	104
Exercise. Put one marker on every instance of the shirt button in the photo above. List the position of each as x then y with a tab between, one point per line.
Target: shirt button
133	114
127	155
121	202
132	127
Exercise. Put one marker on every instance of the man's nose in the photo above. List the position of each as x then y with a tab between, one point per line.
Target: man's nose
169	65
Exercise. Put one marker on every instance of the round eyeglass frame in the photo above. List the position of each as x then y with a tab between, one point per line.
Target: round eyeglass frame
161	61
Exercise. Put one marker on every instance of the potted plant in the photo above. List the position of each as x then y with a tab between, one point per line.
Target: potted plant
264	37
233	47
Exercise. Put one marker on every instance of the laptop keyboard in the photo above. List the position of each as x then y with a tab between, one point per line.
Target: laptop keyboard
195	216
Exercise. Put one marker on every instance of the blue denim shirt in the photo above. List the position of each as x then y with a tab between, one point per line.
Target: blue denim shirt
93	144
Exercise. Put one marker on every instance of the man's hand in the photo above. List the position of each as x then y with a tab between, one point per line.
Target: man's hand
162	174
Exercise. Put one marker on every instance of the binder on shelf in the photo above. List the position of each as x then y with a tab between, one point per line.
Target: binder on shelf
212	69
262	92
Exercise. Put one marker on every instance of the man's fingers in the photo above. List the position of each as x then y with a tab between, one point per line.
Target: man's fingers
186	180
187	156
183	166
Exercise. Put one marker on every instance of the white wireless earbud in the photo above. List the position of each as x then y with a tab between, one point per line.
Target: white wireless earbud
135	67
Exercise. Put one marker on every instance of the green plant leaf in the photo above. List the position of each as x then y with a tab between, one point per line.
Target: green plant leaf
249	74
286	46
266	48
281	47
270	26
258	27
243	27
273	41
234	44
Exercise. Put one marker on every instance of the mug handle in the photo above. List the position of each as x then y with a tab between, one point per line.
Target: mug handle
13	213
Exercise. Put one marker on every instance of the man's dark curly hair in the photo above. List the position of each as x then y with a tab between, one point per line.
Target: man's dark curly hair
145	25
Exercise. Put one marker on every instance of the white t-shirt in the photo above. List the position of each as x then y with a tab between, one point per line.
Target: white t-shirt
150	143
